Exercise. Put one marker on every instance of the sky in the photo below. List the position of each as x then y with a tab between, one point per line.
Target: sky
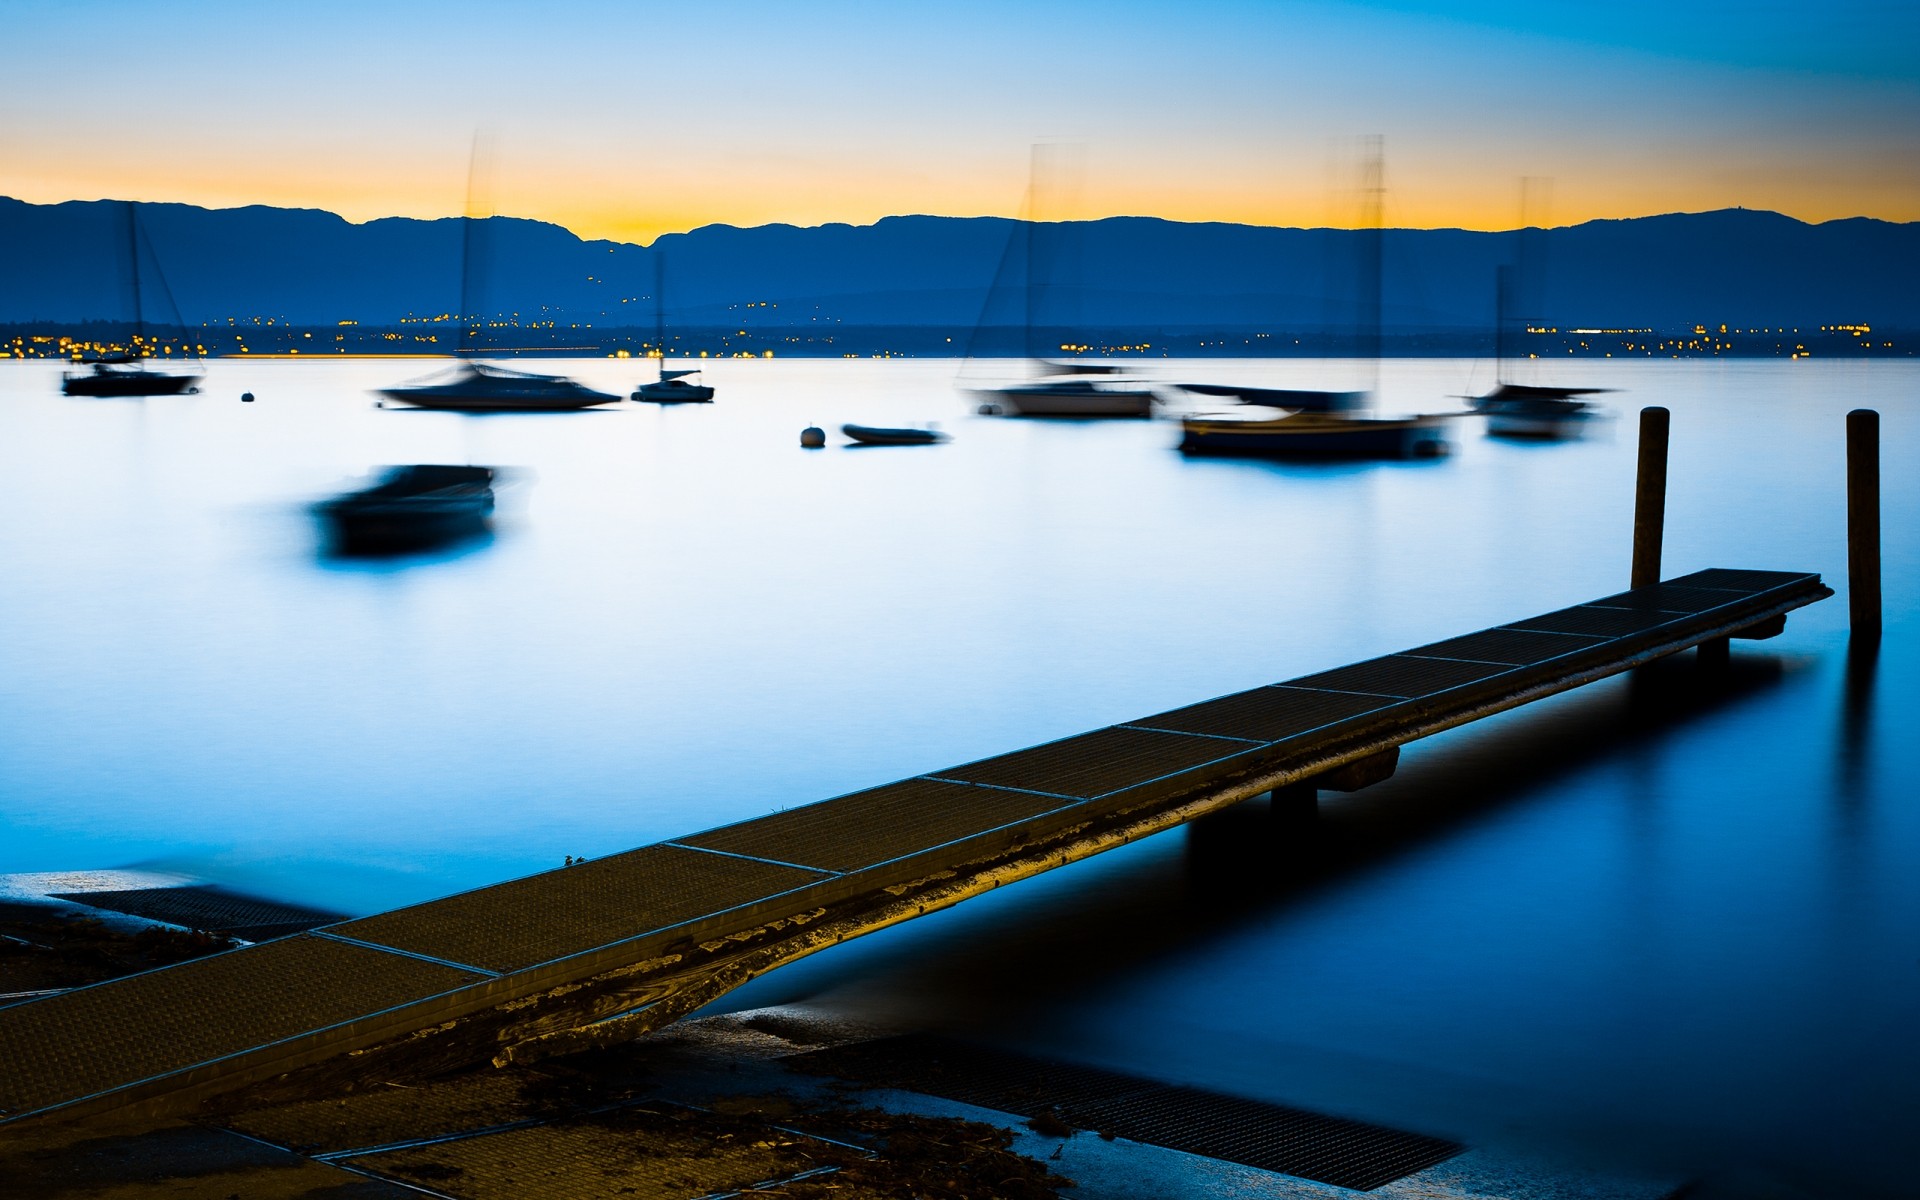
626	120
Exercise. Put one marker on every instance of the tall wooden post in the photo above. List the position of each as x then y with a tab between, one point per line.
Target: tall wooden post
1650	496
1863	523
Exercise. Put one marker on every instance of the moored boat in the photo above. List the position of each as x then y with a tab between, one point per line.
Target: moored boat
874	435
674	387
413	507
1070	395
124	375
480	387
1292	399
1313	435
1524	411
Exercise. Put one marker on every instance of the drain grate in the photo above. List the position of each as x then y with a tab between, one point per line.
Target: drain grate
207	909
1349	1154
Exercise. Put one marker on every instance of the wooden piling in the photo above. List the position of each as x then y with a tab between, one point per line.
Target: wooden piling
1650	496
1863	523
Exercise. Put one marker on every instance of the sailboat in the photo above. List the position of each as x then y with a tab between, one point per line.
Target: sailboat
673	387
125	373
1323	425
474	386
1524	410
1057	389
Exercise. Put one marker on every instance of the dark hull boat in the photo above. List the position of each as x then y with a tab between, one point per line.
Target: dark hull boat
1316	436
1516	410
416	507
1072	396
674	387
873	435
476	387
124	373
1292	399
126	379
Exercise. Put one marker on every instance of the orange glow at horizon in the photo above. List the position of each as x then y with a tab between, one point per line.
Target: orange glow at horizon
1430	202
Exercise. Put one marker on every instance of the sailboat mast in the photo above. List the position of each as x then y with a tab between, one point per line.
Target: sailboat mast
660	307
1372	254
1027	232
1502	320
466	283
133	259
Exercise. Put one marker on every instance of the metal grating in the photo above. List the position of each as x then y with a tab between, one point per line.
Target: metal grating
1745	581
88	1162
1673	598
207	909
1598	622
114	1034
875	826
1515	647
1098	763
654	1150
1333	1150
1292	1141
1264	714
525	922
1400	676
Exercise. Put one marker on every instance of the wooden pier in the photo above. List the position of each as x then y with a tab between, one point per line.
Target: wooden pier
611	948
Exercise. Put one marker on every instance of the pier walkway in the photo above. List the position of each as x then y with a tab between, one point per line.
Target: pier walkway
586	946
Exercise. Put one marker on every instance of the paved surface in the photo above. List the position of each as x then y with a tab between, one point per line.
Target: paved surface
272	1006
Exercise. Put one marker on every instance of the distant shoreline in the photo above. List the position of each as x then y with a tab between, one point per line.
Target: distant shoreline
272	339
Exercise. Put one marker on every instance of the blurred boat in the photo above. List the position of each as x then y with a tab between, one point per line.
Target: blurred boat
1524	410
1074	390
1292	399
872	435
1044	255
1315	424
673	387
1311	435
125	374
411	508
1518	410
480	387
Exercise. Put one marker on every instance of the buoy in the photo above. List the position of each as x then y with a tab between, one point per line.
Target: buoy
813	437
246	397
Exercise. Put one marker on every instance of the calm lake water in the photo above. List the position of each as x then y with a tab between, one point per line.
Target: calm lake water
1674	927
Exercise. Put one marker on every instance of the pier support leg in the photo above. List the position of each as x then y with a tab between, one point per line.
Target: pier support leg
1294	808
1650	496
1863	524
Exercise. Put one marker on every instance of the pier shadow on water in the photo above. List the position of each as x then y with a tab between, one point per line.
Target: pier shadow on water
1242	865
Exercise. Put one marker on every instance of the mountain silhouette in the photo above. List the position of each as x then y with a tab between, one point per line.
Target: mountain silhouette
1744	268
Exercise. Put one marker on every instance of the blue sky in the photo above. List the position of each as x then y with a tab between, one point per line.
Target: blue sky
628	119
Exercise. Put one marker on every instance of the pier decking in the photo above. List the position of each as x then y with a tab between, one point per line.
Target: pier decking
169	1037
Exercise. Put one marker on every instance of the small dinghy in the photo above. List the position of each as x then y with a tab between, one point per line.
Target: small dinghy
411	508
873	435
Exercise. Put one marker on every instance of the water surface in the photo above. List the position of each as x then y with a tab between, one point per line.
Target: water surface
1675	929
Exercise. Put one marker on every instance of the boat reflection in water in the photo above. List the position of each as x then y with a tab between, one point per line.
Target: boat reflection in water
409	509
479	387
1311	435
